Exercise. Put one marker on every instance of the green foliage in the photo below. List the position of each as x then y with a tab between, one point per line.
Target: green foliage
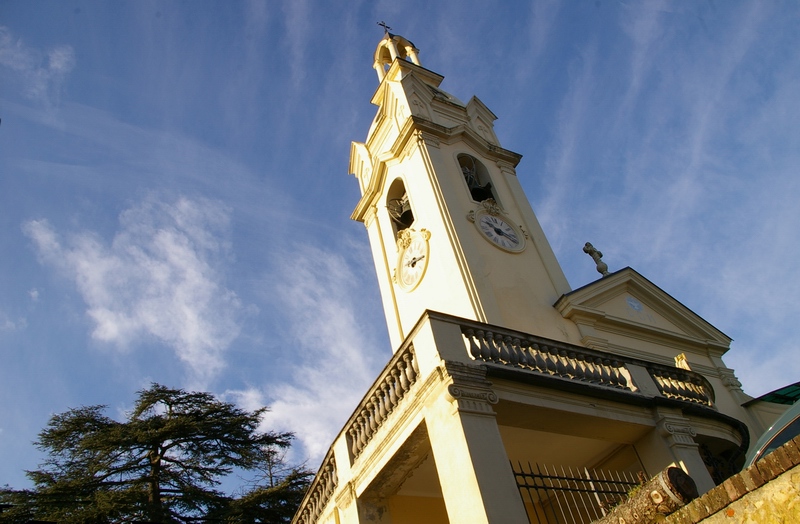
163	464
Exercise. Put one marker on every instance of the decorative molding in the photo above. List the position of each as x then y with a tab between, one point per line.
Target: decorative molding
488	206
469	390
428	139
405	236
370	215
729	379
677	431
346	495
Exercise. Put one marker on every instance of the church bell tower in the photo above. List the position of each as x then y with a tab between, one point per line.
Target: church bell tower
500	373
450	227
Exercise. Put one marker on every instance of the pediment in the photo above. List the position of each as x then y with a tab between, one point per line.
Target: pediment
627	303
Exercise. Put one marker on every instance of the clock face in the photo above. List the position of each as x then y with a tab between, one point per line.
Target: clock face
500	232
412	263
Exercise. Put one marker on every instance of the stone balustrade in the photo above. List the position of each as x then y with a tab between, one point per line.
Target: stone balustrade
682	385
575	363
319	493
384	396
545	356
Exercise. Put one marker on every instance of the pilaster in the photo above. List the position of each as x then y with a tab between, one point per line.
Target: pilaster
679	434
474	472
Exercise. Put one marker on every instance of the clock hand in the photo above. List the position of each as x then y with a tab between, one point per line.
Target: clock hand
502	233
413	261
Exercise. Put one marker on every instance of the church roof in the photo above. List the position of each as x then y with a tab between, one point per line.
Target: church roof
627	300
787	395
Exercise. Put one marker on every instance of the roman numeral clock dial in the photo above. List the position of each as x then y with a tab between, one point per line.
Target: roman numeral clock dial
497	229
412	260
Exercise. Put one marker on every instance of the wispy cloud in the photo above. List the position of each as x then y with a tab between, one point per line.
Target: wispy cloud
565	150
160	277
298	27
9	324
332	355
41	72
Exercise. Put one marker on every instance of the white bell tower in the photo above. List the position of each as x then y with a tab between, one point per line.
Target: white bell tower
450	226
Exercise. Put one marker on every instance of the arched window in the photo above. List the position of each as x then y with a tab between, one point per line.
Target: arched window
477	178
399	206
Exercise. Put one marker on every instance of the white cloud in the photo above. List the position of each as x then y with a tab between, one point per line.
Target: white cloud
333	352
7	324
41	73
34	294
160	277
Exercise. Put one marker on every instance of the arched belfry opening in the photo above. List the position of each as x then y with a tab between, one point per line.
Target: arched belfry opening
390	48
477	178
399	206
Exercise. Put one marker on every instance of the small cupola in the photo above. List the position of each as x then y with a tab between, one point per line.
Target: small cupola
390	48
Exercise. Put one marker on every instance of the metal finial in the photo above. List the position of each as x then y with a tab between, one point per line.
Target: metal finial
597	256
384	26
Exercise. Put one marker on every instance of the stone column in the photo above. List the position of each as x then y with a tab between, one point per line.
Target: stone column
474	472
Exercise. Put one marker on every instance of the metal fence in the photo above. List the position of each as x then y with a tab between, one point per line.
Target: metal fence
566	495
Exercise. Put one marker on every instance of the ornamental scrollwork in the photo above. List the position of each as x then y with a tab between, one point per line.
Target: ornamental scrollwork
404	237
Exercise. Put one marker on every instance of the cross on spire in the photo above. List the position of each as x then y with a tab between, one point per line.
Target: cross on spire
384	26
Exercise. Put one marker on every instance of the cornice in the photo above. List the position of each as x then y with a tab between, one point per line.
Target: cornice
416	126
583	303
639	331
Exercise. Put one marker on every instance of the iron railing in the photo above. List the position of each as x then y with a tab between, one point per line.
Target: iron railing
566	495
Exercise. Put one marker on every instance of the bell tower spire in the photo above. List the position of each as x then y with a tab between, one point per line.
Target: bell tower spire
450	227
390	48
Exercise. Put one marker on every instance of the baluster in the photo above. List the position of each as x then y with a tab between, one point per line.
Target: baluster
597	369
605	372
502	351
353	440
569	363
676	385
593	374
580	365
388	405
561	369
404	383
614	374
378	396
539	359
486	353
666	386
550	359
474	349
361	432
525	355
618	375
514	350
705	397
494	354
410	370
691	392
395	392
505	349
591	370
372	413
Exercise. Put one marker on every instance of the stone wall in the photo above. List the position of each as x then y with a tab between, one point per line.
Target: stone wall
767	492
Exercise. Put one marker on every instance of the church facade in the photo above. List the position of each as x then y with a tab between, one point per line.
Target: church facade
503	379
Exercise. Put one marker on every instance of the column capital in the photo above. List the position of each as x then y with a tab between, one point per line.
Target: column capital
469	389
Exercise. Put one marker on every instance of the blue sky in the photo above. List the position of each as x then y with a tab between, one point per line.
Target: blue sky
175	202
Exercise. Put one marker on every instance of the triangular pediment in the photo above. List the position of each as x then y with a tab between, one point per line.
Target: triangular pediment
628	304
